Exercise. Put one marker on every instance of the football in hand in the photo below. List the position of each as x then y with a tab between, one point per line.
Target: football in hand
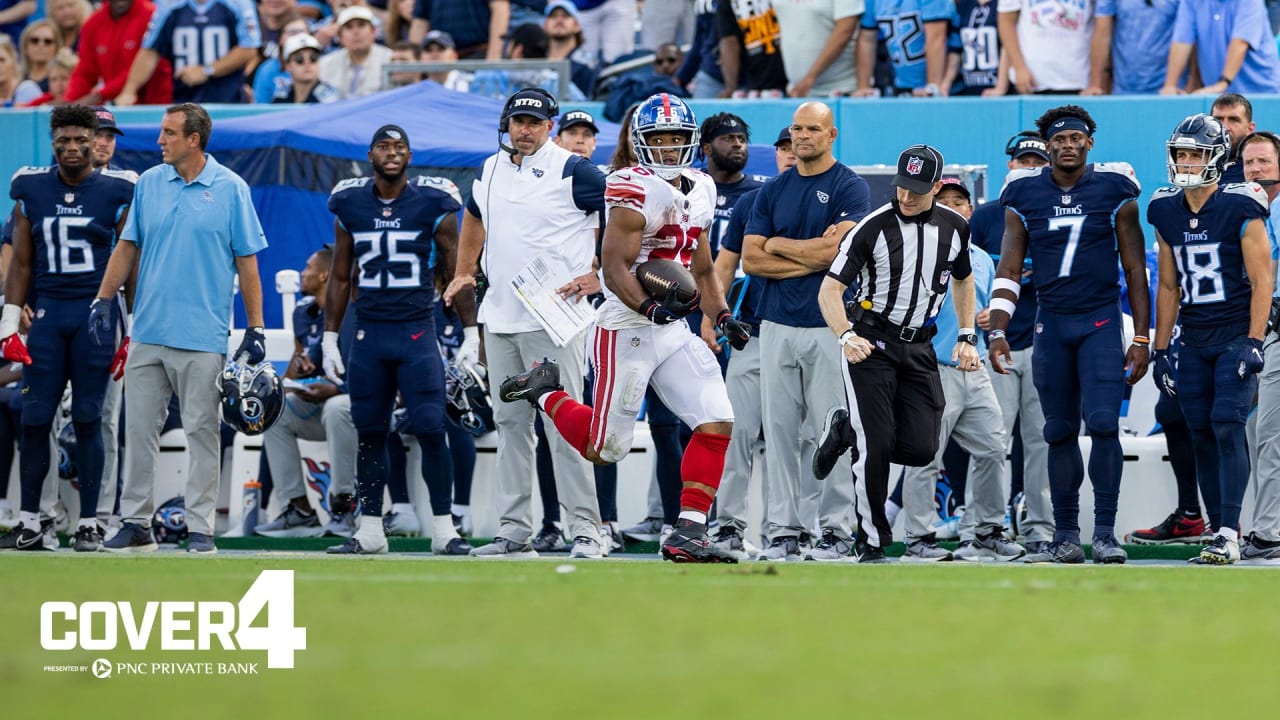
657	277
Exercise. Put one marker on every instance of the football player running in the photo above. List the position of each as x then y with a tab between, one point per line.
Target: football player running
659	209
67	218
390	233
1215	278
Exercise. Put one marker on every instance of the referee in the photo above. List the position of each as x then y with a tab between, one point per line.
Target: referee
903	256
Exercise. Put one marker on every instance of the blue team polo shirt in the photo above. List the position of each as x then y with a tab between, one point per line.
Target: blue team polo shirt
1140	45
1211	25
984	272
189	235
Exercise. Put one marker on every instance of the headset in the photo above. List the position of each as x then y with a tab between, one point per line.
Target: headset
1261	135
504	120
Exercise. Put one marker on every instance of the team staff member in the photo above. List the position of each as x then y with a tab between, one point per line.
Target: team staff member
191	230
791	238
531	199
905	256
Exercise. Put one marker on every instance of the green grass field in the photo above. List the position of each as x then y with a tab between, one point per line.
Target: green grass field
409	637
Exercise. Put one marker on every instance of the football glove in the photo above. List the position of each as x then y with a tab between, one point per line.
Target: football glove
671	308
1250	358
11	345
468	356
1165	373
101	329
253	348
333	367
738	332
121	357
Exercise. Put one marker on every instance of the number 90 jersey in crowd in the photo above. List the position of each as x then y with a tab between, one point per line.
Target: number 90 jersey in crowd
1071	234
73	227
674	220
394	244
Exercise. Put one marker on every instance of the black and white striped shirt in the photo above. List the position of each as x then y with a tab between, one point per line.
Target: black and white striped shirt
902	265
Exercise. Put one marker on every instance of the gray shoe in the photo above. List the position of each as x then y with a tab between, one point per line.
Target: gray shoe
781	549
1036	546
831	548
292	522
1065	552
201	544
131	538
647	530
550	539
729	541
353	547
1107	551
925	550
341	524
504	549
585	548
989	547
1258	550
88	538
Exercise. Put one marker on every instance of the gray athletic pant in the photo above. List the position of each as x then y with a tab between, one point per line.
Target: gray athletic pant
111	449
972	416
1017	395
745	446
1266	489
801	376
511	354
302	420
155	372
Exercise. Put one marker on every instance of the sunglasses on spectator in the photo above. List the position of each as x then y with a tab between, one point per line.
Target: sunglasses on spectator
40	41
304	58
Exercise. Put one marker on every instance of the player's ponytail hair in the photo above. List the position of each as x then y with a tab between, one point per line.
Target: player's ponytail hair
73	116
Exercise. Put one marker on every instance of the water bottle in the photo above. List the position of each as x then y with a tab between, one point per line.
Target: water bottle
252	496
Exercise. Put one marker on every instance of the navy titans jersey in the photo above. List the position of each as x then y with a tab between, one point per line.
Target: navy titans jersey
73	227
726	198
1214	287
981	46
395	248
308	323
1071	234
744	296
201	34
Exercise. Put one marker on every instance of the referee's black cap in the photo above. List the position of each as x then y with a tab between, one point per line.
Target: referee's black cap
919	169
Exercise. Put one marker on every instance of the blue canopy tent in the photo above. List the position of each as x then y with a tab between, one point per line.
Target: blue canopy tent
292	159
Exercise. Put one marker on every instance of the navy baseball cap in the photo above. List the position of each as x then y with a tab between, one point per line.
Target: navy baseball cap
1028	144
919	167
578	117
530	102
389	132
106	120
438	37
783	137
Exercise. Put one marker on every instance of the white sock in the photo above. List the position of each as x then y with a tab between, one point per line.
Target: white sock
29	520
542	400
406	508
1230	534
442	530
5	504
370	533
694	515
88	522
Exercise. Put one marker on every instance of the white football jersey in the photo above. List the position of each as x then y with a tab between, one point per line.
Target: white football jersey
674	223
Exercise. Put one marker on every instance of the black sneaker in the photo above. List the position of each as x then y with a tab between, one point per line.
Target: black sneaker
88	538
832	443
533	384
865	554
24	538
132	537
689	543
455	546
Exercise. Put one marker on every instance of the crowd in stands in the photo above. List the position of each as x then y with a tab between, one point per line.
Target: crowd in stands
139	52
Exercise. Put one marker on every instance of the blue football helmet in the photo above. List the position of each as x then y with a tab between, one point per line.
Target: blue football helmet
1203	133
170	522
664	113
252	398
67	452
467	399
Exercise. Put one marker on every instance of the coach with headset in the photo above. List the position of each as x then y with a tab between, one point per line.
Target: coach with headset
531	199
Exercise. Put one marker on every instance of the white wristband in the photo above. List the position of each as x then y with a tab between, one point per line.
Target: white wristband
1012	286
471	333
1004	304
968	331
847	337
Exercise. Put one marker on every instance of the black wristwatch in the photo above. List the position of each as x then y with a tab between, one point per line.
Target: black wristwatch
971	338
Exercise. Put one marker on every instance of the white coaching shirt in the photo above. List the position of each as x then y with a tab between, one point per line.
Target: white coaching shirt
548	205
674	222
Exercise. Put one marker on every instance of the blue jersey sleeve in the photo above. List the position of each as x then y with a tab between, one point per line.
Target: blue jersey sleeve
248	32
732	239
869	15
588	185
933	10
159	35
761	220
